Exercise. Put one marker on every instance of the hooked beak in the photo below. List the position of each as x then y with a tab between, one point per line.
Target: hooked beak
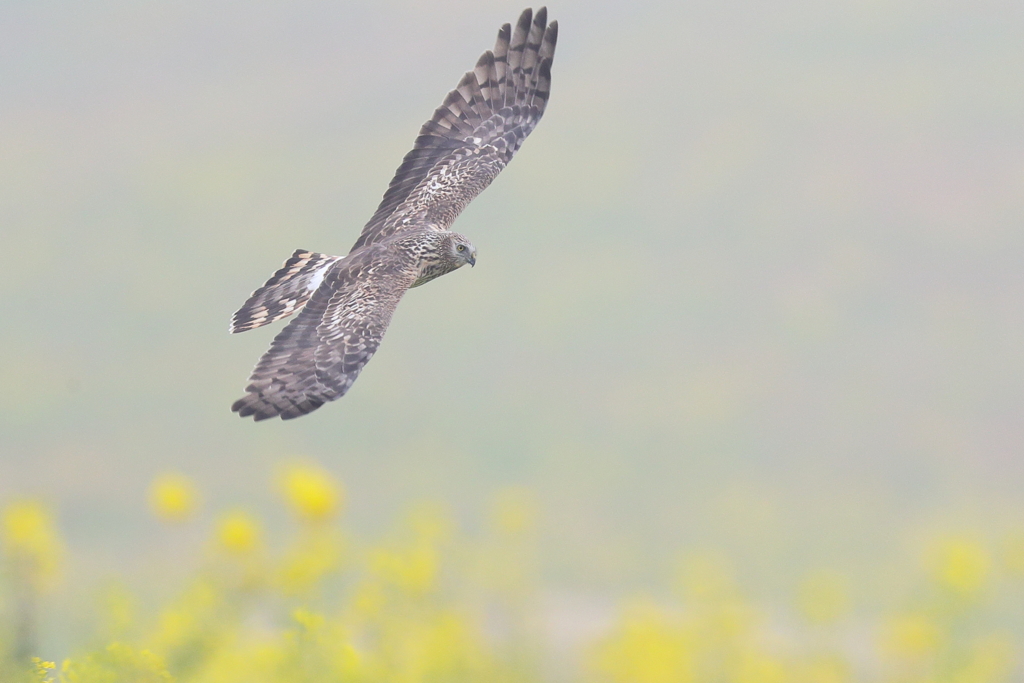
472	259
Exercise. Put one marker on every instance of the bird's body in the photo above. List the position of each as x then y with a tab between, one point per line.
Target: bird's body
345	304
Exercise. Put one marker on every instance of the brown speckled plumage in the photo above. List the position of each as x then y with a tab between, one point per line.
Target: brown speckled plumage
345	304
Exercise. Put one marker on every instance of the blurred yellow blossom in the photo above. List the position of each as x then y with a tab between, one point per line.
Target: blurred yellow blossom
117	663
31	542
41	670
311	492
173	497
238	532
309	560
647	646
368	599
911	635
731	618
451	647
319	649
824	597
514	511
183	624
311	621
430	604
961	565
755	667
413	569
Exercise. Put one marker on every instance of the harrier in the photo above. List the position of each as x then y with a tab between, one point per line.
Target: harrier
344	303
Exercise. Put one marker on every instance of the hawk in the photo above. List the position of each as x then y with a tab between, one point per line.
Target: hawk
343	304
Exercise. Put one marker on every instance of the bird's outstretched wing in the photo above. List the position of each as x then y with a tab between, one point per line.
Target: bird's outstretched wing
317	357
474	134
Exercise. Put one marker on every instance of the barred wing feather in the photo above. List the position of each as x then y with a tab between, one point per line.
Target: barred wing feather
474	134
285	292
317	357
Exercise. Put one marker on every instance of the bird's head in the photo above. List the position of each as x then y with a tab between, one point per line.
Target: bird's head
461	250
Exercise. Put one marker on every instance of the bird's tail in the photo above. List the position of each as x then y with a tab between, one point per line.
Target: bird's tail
286	292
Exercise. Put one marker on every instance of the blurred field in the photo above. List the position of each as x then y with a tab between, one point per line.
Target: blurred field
430	601
749	300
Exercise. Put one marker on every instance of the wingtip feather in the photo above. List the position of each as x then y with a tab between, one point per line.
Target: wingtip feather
547	48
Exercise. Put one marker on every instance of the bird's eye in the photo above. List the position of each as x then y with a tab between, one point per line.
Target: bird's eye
461	247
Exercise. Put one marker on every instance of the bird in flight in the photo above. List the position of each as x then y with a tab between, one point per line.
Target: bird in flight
344	303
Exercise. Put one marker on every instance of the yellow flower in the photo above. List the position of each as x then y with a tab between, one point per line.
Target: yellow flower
450	648
32	542
186	619
913	635
172	497
310	621
413	570
647	647
41	670
824	597
238	532
117	662
962	565
311	492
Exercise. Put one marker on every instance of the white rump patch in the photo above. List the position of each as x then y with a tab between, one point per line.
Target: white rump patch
318	277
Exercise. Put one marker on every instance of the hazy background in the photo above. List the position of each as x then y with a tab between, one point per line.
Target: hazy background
755	282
